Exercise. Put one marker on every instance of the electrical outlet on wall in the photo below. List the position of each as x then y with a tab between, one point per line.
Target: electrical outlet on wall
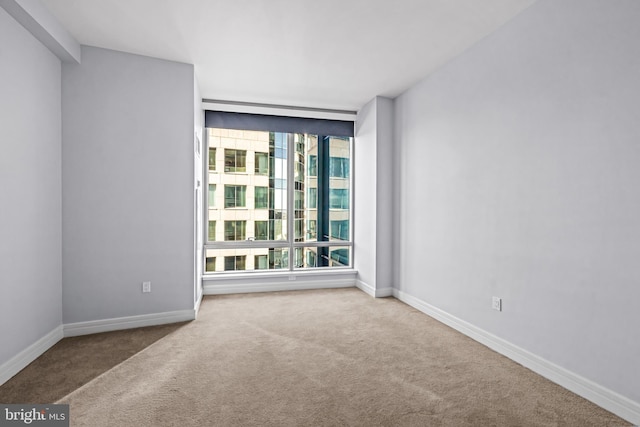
146	287
496	303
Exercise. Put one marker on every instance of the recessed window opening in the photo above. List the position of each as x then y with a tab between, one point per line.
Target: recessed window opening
285	199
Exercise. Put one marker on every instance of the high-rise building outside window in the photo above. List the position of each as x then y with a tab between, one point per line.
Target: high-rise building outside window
285	204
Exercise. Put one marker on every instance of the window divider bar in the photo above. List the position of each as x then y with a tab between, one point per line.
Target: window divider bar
204	206
262	244
321	244
324	183
249	244
291	216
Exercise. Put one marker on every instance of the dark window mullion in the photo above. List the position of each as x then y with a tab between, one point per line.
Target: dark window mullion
322	224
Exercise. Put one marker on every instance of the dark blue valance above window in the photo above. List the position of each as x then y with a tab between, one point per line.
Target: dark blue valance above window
263	122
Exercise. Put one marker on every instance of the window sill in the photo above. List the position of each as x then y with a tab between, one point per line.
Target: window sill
247	282
257	274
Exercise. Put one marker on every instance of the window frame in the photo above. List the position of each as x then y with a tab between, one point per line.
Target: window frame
289	244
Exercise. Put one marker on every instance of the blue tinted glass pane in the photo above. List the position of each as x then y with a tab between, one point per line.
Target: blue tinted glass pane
312	167
339	167
312	198
341	256
340	229
339	198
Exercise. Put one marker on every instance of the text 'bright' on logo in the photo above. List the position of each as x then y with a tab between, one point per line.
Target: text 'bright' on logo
37	415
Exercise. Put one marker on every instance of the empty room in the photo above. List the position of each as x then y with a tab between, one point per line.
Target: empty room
320	213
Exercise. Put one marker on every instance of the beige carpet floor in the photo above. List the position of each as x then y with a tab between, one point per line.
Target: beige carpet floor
307	358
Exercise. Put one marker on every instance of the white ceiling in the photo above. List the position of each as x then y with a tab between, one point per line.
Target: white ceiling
314	53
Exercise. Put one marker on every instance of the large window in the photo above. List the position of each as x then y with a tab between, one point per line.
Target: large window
300	215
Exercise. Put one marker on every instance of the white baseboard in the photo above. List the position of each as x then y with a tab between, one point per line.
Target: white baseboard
366	288
35	350
384	292
376	293
601	396
115	324
298	285
196	308
29	354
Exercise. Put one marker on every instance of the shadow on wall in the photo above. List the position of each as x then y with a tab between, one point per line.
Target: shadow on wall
76	361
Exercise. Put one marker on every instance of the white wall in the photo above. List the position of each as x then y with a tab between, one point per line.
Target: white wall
30	193
364	187
384	193
519	171
128	199
373	193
